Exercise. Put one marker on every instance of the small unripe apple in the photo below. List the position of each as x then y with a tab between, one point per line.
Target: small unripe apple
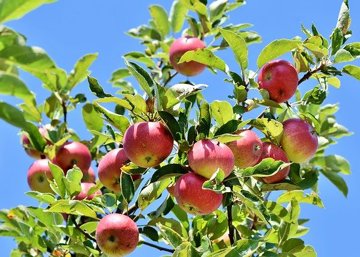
89	176
192	198
73	153
247	150
29	149
117	235
207	156
299	140
147	144
38	175
280	79
271	150
85	187
178	48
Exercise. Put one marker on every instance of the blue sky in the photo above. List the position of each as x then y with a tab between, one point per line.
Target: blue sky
70	29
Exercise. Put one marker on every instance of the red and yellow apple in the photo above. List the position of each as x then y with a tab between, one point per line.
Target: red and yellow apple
280	79
207	156
247	150
117	235
38	175
84	193
299	140
29	149
147	144
271	150
178	48
192	198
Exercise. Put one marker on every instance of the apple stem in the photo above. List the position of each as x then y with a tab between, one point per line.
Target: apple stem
157	247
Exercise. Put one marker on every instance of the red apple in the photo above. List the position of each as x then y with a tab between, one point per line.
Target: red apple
147	144
73	153
299	140
192	198
89	176
117	235
271	150
85	187
247	150
207	156
181	46
280	79
29	149
38	175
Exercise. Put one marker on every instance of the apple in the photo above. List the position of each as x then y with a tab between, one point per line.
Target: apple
280	79
117	235
299	140
89	176
29	149
181	46
271	150
192	198
73	153
207	156
38	175
247	150
147	144
85	187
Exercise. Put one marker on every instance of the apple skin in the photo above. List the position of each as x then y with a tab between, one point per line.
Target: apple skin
247	150
192	198
89	176
38	175
72	153
280	79
181	46
271	150
299	140
85	187
117	235
206	156
29	149
147	144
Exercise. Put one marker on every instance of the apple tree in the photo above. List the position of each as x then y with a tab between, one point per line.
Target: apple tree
176	172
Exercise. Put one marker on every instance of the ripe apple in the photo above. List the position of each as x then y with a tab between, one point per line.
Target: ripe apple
299	140
89	176
271	150
247	150
117	235
85	187
207	156
280	79
29	149
72	153
38	175
147	144
181	46
192	198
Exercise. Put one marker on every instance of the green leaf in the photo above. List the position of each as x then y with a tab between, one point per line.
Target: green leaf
343	56
96	88
151	192
204	119
144	79
352	70
217	9
333	163
353	49
150	232
168	171
337	180
15	9
337	40
275	49
238	46
92	119
265	168
221	111
89	227
127	186
72	181
344	19
177	15
204	56
301	197
172	124
12	115
12	85
170	223
58	176
160	19
118	121
170	235
196	6
271	128
80	71
119	74
278	210
42	197
73	207
139	57
227	138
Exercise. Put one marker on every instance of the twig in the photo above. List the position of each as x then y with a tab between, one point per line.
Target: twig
230	225
308	74
157	247
88	236
170	78
63	104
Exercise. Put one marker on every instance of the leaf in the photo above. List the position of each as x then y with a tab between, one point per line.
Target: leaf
12	85
271	128
352	70
92	119
170	223
275	49
73	207
238	46
204	56
344	19
353	49
337	39
96	88
11	9
337	180
280	186
139	57
80	71
58	176
265	168
72	181
42	197
160	19
150	232
217	9
172	124
119	74
204	119
227	138
118	121
278	210
169	235
144	79
184	250
343	56
301	197
12	115
333	163
89	227
127	186
221	111
151	192
177	15
168	171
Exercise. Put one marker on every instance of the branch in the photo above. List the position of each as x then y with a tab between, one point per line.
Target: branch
230	225
170	78
63	104
308	74
157	247
88	236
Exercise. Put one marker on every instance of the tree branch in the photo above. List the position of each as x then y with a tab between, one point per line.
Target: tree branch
170	78
308	74
230	225
157	247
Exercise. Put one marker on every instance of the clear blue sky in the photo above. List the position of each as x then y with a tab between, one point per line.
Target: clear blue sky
69	29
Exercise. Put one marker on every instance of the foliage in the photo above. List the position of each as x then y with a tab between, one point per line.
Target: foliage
248	223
